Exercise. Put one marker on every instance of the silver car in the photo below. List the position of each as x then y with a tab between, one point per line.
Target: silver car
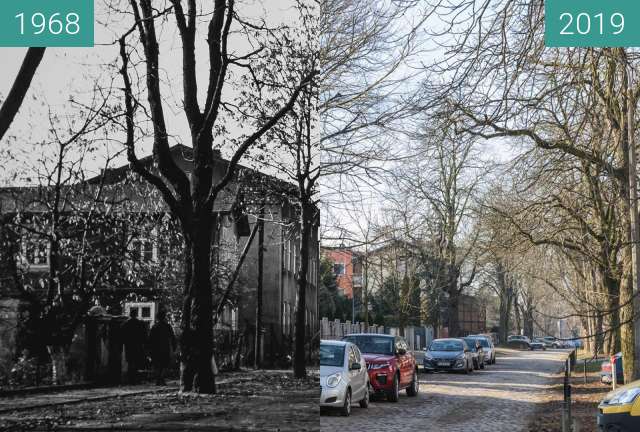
488	348
343	376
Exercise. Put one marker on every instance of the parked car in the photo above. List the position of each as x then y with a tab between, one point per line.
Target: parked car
538	343
551	342
391	365
476	350
448	355
619	410
518	338
606	375
343	376
487	346
519	342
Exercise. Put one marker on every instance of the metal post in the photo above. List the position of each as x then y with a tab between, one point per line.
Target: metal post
566	412
614	375
585	371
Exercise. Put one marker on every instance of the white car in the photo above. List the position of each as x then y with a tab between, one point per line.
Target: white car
488	348
343	376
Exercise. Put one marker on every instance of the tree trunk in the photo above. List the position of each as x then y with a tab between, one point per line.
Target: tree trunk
12	103
527	322
299	358
453	309
518	320
196	371
627	341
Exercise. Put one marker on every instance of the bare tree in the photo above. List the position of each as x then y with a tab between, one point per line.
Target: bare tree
191	196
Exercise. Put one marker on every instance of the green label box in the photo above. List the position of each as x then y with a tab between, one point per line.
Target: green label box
46	23
592	23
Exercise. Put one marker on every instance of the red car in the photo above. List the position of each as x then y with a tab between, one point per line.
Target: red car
391	365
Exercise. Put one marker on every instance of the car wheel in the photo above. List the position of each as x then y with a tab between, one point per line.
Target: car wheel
414	388
346	408
394	394
364	403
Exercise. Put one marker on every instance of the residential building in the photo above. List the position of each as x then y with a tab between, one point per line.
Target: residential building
132	255
347	267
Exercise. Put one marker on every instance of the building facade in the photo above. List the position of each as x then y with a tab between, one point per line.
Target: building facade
116	245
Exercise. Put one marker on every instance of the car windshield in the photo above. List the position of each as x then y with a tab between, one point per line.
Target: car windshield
373	344
331	355
484	343
446	345
471	343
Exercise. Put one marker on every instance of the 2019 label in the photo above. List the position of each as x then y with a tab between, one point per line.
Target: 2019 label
592	23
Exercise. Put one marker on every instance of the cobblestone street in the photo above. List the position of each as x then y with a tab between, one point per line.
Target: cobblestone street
502	397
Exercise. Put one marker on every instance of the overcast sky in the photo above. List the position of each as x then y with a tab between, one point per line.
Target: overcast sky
72	72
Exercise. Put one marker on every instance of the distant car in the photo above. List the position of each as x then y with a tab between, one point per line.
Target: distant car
487	346
477	351
448	355
518	338
563	344
538	344
391	365
619	409
343	376
550	341
606	374
519	342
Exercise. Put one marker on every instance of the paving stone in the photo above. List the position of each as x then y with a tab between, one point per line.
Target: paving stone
502	397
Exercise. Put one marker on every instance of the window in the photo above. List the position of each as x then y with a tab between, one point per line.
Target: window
146	311
285	245
356	352
285	318
228	318
295	255
292	259
352	357
338	269
36	251
144	250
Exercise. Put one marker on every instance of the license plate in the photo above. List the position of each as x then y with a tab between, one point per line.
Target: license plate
443	363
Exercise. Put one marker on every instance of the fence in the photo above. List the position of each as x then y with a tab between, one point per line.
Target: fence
417	337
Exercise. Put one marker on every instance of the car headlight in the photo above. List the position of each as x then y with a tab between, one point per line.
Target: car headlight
334	380
428	357
625	397
380	366
460	357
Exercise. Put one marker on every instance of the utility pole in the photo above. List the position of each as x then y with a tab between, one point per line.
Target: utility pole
259	332
633	215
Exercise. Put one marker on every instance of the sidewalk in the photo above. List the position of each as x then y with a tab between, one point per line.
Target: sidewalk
247	401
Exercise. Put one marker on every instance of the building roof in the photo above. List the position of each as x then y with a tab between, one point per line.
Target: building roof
122	190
